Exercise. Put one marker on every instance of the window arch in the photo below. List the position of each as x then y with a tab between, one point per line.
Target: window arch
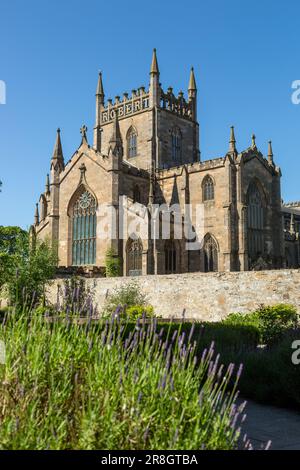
208	189
210	254
255	221
170	257
134	254
131	142
137	194
176	140
84	222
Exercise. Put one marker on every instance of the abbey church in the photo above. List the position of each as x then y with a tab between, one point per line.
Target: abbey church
145	154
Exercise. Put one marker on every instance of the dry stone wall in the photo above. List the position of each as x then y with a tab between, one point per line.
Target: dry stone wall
205	296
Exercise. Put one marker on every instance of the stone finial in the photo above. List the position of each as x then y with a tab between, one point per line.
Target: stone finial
36	215
192	82
232	141
83	131
154	65
116	134
270	153
47	187
100	89
115	142
57	157
253	137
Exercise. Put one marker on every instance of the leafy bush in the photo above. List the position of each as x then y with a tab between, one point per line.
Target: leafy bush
271	322
26	270
138	311
112	264
72	388
270	376
123	297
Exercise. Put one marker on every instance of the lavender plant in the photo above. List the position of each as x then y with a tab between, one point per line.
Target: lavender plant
67	385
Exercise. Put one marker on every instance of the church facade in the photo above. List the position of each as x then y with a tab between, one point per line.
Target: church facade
145	163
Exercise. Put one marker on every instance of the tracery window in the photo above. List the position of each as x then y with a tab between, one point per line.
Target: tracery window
84	230
132	143
170	257
176	145
255	218
210	254
208	189
134	257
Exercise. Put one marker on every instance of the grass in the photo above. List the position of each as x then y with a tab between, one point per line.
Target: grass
71	386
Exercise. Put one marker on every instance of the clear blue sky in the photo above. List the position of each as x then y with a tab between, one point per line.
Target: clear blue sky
246	54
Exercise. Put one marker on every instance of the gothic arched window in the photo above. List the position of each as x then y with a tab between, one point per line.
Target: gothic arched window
210	254
255	219
176	145
136	194
131	142
208	189
84	230
170	257
134	257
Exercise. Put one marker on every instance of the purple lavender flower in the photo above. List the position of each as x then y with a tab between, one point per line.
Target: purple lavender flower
191	332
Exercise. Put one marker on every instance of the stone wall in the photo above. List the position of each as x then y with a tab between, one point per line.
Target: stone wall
207	296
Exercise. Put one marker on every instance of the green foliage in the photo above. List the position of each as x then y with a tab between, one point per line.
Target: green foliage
138	311
232	339
123	297
9	239
24	270
81	387
271	322
270	376
112	264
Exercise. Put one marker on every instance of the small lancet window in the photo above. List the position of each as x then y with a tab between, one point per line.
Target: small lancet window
132	143
208	189
176	145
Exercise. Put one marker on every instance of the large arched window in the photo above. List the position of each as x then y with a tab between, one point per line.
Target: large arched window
131	142
208	189
210	254
134	257
170	257
176	145
84	230
256	224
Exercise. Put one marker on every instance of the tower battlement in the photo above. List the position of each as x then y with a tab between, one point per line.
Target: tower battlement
127	106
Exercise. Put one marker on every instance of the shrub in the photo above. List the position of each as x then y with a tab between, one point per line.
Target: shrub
123	297
27	270
138	311
269	374
72	388
112	264
271	322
